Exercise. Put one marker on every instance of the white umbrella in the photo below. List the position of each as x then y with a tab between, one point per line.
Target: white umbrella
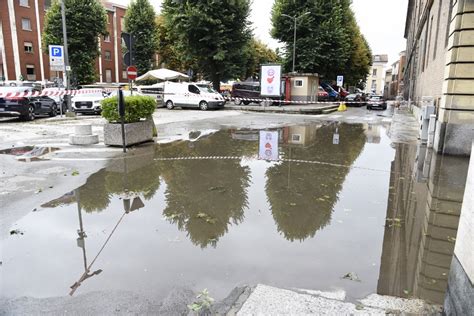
163	74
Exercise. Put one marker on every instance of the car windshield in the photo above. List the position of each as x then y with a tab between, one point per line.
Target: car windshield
207	89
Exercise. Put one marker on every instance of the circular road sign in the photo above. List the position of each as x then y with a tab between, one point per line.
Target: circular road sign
132	72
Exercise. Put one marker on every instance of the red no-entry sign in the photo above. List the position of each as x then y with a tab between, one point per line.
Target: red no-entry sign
132	72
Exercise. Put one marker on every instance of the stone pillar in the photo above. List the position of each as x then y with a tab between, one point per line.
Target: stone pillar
455	128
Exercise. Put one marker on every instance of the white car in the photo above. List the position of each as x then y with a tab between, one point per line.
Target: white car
191	95
89	103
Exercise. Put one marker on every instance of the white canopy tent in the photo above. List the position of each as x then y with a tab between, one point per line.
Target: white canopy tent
163	74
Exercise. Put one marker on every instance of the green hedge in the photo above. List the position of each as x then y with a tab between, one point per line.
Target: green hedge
136	108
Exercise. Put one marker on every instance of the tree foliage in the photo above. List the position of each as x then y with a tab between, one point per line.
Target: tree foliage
258	53
140	21
329	41
211	33
86	21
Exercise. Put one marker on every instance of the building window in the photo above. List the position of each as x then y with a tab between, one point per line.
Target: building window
107	55
108	75
30	72
122	24
24	3
107	38
47	4
373	87
374	72
28	47
124	74
108	18
298	83
296	138
26	24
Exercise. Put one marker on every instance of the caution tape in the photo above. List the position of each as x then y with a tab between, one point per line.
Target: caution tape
52	93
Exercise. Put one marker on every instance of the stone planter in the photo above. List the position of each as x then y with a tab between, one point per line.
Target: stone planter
135	133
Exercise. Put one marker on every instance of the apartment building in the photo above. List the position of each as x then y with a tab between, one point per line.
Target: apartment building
22	53
440	68
376	78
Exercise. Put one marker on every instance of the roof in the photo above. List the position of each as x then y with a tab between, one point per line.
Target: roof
380	58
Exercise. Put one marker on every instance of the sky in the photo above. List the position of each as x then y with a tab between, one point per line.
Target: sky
381	21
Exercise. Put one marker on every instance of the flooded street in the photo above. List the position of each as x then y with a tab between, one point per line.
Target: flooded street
207	213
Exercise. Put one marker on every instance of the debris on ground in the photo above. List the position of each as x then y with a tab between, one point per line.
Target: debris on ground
351	276
16	232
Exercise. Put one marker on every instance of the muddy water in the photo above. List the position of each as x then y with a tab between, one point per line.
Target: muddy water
207	213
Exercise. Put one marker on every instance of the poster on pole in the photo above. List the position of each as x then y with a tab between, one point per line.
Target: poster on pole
56	57
270	80
340	81
268	146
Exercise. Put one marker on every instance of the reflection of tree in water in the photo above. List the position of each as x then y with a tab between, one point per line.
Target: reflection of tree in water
139	176
94	196
301	195
205	196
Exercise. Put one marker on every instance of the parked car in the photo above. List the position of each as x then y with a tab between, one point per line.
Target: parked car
89	103
245	90
357	98
376	101
192	96
333	94
58	99
322	95
250	90
24	107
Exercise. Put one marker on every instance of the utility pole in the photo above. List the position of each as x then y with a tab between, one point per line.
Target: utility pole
66	56
295	18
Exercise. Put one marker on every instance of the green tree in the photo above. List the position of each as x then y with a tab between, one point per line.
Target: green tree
258	53
170	55
329	41
86	21
140	21
212	34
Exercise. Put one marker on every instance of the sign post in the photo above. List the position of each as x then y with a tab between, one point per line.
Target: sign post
132	75
56	57
340	81
270	80
121	110
268	146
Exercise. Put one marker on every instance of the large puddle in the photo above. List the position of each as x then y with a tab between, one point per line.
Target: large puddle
207	213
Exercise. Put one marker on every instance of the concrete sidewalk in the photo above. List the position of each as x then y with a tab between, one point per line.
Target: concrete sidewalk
317	108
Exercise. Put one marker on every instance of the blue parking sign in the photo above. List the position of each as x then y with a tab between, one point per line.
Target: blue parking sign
56	51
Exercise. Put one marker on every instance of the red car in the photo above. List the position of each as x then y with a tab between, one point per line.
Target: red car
322	95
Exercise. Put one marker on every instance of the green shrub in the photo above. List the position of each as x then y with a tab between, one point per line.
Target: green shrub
136	108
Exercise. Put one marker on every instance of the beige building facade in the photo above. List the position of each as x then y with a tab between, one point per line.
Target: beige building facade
376	78
440	68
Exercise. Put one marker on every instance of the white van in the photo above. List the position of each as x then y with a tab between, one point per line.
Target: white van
191	95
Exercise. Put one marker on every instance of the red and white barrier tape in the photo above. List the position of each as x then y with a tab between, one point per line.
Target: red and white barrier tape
52	93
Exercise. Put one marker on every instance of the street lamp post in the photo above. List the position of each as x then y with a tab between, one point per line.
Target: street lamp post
66	56
295	19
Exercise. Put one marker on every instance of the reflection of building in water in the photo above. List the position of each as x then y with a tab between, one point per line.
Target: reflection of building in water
373	133
422	218
300	135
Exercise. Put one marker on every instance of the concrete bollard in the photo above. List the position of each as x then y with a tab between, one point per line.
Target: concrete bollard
83	136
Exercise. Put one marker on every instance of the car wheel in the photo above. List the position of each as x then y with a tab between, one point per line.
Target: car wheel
30	116
169	105
238	102
246	102
54	110
203	105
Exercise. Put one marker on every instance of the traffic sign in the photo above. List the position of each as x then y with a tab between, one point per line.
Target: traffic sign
56	57
132	72
340	81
